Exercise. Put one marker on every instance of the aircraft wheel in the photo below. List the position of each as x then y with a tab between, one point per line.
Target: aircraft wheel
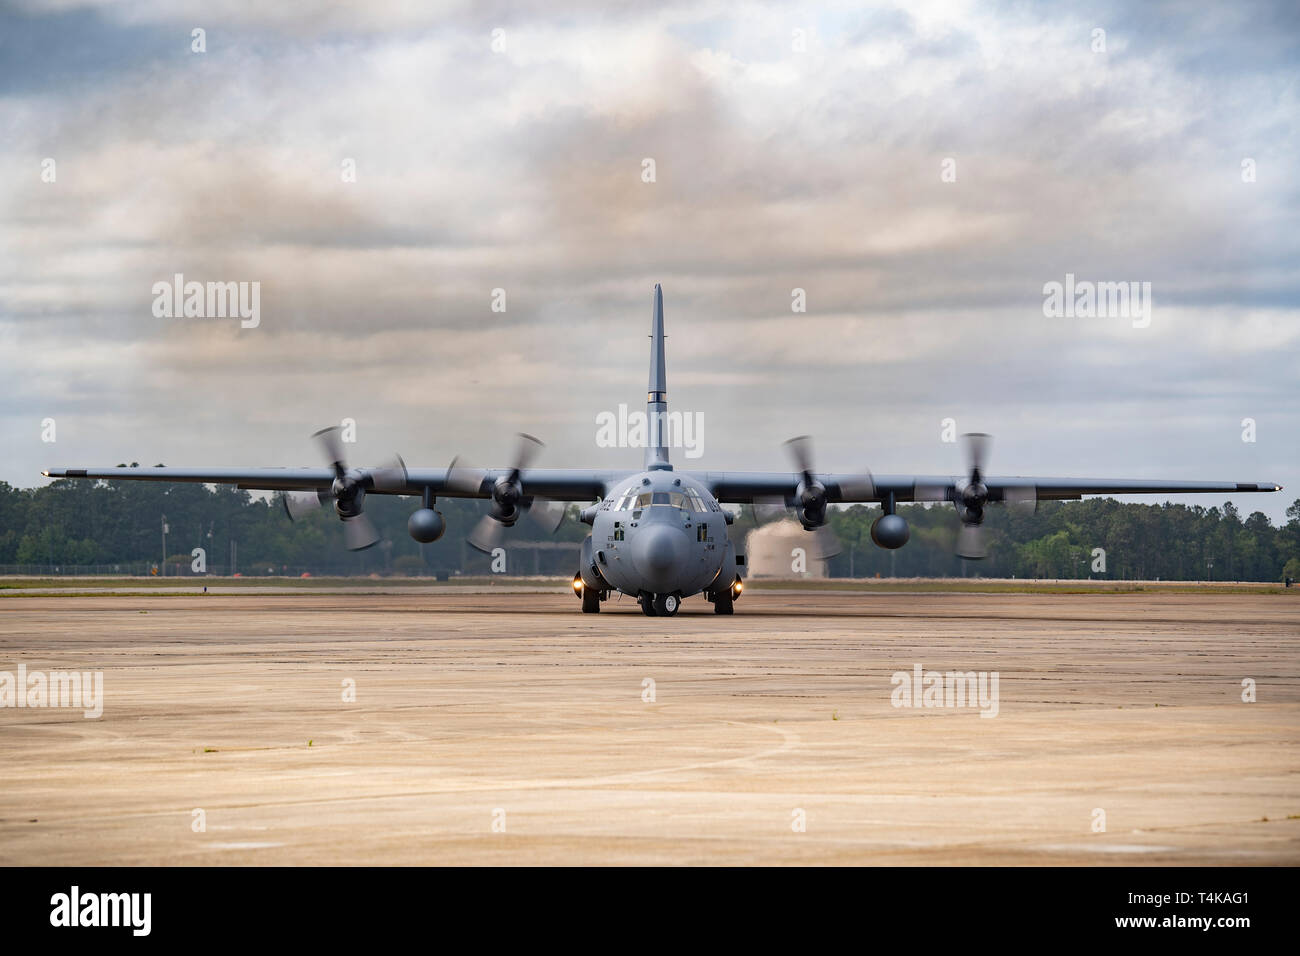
722	603
590	601
666	605
648	606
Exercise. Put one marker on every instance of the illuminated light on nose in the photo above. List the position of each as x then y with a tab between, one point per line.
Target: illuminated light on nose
739	586
577	584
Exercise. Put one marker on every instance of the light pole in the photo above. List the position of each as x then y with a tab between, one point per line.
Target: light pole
162	568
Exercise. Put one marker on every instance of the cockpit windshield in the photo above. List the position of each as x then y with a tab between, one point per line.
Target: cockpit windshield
634	500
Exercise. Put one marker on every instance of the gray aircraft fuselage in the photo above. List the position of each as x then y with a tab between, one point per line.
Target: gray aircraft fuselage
660	533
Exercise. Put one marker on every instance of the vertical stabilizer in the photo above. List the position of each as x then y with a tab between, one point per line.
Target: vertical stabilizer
656	452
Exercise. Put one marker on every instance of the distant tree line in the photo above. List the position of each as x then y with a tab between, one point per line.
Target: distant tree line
103	523
84	523
1075	539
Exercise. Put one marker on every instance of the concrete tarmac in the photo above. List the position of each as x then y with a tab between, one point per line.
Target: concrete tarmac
508	728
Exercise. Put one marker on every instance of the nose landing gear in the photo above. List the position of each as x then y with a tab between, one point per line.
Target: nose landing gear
660	605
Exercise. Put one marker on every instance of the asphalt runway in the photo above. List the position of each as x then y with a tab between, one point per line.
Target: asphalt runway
508	728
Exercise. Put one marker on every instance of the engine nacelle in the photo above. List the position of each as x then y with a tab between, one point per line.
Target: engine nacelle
426	525
890	531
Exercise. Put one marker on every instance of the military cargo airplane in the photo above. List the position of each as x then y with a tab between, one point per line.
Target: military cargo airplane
658	534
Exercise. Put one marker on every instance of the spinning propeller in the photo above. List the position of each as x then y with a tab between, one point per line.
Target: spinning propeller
348	491
970	497
509	500
810	499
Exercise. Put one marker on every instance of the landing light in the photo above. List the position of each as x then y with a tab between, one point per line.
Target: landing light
739	586
577	584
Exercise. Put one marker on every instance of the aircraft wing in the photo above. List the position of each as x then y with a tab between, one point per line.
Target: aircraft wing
745	487
1064	489
736	487
268	479
553	483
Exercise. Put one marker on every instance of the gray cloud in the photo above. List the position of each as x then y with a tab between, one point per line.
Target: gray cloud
775	170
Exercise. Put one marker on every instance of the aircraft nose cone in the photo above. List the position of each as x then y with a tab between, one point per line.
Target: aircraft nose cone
658	553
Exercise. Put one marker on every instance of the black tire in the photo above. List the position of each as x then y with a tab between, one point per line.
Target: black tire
666	605
590	601
648	606
722	603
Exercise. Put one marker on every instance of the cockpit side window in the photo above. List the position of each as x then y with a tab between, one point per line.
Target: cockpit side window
695	502
625	501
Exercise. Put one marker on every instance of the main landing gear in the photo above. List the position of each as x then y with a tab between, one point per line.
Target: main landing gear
590	596
660	605
724	601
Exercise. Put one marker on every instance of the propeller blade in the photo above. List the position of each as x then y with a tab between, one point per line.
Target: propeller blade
769	509
853	487
825	543
463	477
391	476
970	542
527	451
360	533
977	450
548	515
930	492
299	504
799	449
487	534
333	448
1023	498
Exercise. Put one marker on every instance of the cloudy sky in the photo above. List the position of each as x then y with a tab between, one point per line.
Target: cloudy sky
502	146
